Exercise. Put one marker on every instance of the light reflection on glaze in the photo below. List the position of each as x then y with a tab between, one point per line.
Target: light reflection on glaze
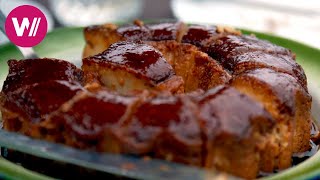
137	57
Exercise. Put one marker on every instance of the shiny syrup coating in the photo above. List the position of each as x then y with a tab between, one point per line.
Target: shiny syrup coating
151	32
167	125
164	31
134	33
87	115
170	125
198	35
232	44
148	113
29	71
283	85
257	59
40	99
224	111
140	59
163	112
166	112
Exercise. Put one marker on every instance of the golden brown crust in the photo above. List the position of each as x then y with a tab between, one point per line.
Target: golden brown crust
197	69
99	38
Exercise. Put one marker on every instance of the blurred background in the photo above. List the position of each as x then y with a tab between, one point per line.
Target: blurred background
294	19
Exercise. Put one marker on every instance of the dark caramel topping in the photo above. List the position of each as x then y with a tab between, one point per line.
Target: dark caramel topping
226	48
227	112
38	100
154	32
134	33
164	31
27	72
258	59
272	60
218	127
231	44
283	85
88	114
139	58
148	113
199	35
174	114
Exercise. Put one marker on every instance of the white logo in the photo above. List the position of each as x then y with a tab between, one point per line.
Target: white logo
25	25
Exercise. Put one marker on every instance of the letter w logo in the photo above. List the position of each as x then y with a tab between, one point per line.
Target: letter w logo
25	25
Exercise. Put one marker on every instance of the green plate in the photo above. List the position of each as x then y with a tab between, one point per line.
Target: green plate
68	43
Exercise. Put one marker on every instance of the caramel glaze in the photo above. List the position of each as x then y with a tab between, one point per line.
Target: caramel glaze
199	35
31	104
201	128
257	59
87	116
42	98
166	31
99	38
225	46
285	99
141	59
134	32
283	85
167	127
191	128
31	71
242	123
151	32
217	120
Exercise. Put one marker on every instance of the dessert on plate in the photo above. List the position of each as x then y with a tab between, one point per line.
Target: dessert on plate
205	96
